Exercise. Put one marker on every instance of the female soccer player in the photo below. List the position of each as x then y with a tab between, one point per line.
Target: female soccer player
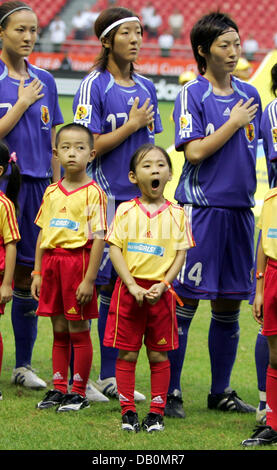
120	108
29	111
217	120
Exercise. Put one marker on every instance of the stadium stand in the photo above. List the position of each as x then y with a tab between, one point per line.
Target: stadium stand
46	9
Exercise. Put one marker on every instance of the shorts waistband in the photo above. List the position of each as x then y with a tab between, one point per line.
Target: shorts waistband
67	252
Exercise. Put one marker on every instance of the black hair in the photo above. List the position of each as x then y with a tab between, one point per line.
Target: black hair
75	126
105	19
144	150
274	80
6	7
14	177
205	31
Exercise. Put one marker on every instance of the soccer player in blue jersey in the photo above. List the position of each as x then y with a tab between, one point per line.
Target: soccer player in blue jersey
120	108
29	112
217	119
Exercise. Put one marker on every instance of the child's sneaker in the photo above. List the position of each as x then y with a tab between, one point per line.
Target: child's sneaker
130	421
108	387
1	396
51	398
73	402
153	422
27	377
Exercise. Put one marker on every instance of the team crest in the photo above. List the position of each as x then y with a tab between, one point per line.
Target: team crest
45	116
250	132
151	126
83	113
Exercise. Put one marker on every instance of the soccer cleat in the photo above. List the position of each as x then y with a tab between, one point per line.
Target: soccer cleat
263	435
109	388
26	377
1	396
51	398
174	405
73	402
130	421
229	401
93	394
153	422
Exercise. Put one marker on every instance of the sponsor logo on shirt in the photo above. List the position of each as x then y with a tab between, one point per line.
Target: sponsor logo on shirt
272	233
83	113
145	248
65	223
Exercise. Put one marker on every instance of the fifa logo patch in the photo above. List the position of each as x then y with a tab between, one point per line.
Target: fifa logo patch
45	116
185	123
250	132
83	113
274	136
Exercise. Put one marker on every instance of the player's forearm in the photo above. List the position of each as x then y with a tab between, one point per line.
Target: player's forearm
261	265
176	266
104	143
39	254
200	149
10	260
120	266
11	118
95	258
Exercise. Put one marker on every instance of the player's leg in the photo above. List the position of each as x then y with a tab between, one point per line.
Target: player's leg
261	361
125	379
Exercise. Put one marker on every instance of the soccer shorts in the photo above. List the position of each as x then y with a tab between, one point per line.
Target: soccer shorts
128	322
270	300
30	198
221	265
62	272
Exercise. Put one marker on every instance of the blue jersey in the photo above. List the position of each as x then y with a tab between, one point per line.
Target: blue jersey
228	177
102	105
269	136
31	136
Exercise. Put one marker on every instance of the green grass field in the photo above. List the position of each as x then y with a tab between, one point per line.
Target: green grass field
98	428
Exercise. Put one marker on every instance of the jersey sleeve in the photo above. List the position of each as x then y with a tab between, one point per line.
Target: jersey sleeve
97	212
9	226
187	117
87	105
183	234
116	232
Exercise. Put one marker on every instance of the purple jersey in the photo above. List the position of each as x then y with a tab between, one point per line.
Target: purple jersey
31	136
102	105
228	177
269	136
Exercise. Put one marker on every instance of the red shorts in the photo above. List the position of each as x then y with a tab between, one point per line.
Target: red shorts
128	322
270	299
62	271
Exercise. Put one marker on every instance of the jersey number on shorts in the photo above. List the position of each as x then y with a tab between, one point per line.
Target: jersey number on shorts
195	274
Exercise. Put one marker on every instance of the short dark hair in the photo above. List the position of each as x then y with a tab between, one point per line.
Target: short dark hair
6	7
205	31
144	150
75	126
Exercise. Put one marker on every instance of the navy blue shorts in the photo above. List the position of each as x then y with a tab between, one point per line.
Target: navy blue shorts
221	265
30	198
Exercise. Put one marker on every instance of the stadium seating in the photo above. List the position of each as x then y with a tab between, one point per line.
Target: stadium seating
46	10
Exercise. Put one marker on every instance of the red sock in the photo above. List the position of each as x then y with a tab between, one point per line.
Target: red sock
160	377
1	352
60	360
271	398
83	352
125	378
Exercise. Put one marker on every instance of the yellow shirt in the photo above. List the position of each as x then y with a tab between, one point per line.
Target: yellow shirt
268	224
70	219
149	241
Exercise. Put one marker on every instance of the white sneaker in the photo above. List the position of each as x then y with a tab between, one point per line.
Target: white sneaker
261	416
93	394
108	387
26	376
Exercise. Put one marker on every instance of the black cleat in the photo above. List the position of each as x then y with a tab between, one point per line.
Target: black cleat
174	405
51	398
153	422
229	401
130	421
73	402
263	435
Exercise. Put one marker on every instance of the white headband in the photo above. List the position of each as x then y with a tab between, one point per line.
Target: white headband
117	23
12	11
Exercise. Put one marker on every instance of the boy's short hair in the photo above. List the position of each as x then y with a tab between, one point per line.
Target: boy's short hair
142	151
205	31
75	126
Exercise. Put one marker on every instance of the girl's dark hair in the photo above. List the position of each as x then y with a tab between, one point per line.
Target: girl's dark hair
274	80
14	177
75	126
144	150
205	31
105	19
6	7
